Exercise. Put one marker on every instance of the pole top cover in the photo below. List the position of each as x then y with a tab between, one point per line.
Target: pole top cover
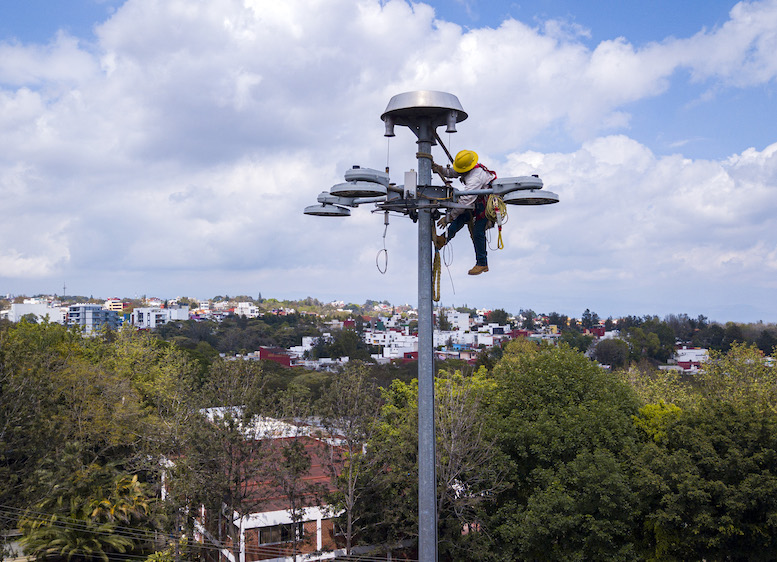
410	107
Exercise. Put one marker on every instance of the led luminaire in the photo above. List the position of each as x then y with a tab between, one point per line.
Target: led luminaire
327	211
531	197
358	189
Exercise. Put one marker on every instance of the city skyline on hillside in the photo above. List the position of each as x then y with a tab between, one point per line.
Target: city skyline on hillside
316	301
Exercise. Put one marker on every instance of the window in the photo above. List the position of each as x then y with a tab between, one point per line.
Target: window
280	533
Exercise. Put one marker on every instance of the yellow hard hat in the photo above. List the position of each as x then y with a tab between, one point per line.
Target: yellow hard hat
465	160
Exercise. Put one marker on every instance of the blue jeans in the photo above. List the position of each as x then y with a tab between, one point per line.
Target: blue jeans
478	234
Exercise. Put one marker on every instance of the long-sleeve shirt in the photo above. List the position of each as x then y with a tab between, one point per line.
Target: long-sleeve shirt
476	178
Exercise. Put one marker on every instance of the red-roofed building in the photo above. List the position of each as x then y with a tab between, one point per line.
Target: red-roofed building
275	354
268	535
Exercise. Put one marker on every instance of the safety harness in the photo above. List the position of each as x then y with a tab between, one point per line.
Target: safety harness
494	209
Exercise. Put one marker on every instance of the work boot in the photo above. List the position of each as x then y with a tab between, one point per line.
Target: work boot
440	241
478	269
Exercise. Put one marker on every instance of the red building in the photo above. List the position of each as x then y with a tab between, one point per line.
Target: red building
275	354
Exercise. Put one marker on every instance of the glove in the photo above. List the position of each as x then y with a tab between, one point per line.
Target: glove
443	222
436	168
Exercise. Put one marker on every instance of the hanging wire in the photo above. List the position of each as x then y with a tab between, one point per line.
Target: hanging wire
384	251
447	259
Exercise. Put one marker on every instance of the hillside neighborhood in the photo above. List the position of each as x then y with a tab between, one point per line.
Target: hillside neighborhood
277	431
466	334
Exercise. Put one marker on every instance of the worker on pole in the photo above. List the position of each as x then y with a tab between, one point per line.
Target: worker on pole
474	176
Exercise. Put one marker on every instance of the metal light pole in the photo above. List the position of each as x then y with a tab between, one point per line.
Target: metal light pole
422	112
427	475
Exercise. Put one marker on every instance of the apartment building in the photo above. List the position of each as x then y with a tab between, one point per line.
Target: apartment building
148	318
91	317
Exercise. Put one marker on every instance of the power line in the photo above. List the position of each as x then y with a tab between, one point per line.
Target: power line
75	524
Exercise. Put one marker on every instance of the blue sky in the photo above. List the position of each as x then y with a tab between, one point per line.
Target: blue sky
167	148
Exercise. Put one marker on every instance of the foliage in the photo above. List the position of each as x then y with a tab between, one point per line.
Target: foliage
577	340
654	385
470	468
349	408
741	375
59	387
589	319
529	316
652	339
88	512
288	462
466	468
612	352
121	400
558	320
343	343
566	427
219	463
654	419
710	485
498	316
541	453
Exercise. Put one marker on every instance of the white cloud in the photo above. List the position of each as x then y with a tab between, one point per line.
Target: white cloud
189	137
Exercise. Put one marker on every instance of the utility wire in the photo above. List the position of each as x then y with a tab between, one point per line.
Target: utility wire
75	524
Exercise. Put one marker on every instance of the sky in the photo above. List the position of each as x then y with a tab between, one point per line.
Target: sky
169	148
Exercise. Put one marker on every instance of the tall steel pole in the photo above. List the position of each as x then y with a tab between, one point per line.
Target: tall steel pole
422	112
427	480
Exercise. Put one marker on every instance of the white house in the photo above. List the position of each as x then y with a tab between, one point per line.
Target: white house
247	309
149	318
40	310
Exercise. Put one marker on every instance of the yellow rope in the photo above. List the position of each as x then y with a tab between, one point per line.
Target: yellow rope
496	212
436	271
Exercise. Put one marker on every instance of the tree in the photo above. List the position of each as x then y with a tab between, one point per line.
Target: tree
710	336
589	319
469	467
706	469
442	321
742	375
732	334
349	408
682	325
556	319
576	340
646	345
74	389
89	512
654	385
709	485
566	427
498	316
528	319
289	462
225	454
767	341
613	352
467	471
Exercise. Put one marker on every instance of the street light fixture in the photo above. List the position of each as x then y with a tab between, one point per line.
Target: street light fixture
422	112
